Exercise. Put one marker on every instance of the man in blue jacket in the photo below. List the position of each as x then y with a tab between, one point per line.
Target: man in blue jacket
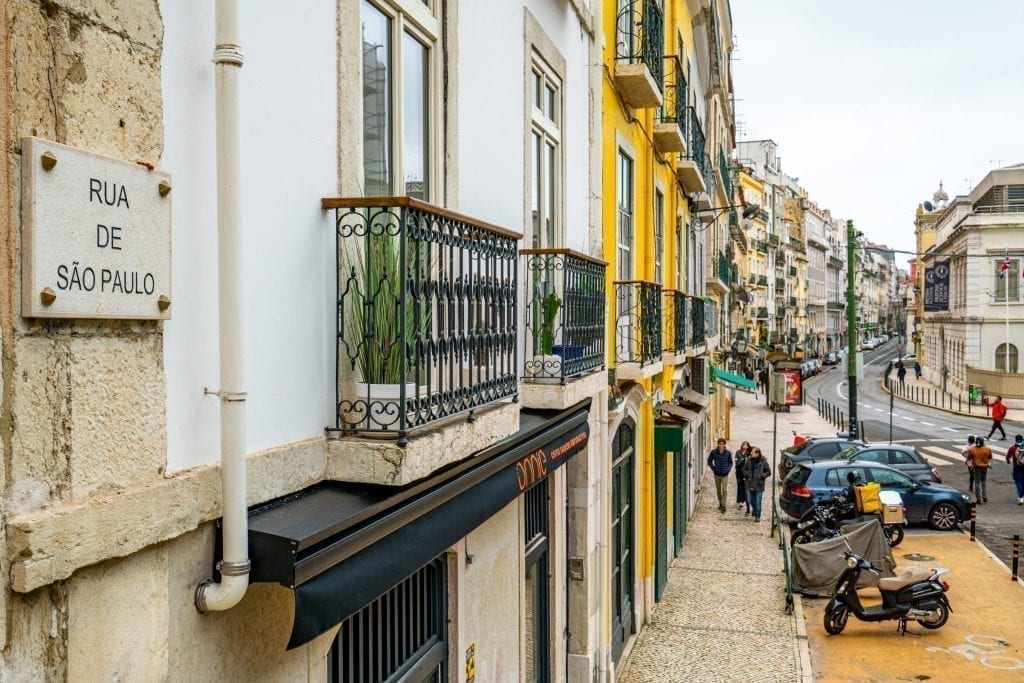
720	462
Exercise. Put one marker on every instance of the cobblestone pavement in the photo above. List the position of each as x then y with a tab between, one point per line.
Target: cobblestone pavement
722	616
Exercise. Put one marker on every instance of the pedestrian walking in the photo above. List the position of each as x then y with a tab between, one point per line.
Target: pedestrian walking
755	471
1015	456
966	452
981	456
901	372
998	413
917	369
762	379
720	462
741	490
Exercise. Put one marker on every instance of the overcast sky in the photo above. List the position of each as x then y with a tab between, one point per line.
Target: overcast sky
872	103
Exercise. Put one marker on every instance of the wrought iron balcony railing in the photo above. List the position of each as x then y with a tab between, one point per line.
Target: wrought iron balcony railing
752	279
761	246
836	306
710	317
724	269
641	35
725	171
762	313
426	314
773	240
780	282
792	271
697	324
762	280
835	262
564	333
674	309
673	109
638	336
797	242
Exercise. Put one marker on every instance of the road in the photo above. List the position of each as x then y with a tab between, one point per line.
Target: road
938	435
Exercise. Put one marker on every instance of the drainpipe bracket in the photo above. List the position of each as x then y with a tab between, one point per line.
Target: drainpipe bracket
227	568
226	395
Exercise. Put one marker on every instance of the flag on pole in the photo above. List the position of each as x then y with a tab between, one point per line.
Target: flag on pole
1004	267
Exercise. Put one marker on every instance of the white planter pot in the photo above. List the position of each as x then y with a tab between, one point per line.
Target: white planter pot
378	405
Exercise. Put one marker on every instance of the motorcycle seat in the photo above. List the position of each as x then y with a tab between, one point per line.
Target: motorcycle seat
902	579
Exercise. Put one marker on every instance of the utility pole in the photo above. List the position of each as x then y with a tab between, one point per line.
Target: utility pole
851	330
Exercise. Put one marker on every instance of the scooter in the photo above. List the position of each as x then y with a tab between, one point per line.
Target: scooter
823	520
918	594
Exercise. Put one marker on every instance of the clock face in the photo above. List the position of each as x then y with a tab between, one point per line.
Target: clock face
941	271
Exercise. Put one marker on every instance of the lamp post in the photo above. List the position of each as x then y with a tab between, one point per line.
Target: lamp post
851	330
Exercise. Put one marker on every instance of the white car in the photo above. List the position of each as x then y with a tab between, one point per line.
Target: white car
869	344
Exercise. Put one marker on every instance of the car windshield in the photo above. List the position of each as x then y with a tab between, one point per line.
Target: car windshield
847	453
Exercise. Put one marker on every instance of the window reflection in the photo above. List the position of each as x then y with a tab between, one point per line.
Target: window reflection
376	102
415	117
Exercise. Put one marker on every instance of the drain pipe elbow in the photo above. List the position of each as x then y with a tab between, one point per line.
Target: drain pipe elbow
214	596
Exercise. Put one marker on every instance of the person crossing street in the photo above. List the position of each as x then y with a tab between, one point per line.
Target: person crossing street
998	413
980	456
1015	456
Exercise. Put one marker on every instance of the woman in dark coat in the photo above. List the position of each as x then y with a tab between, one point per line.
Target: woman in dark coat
741	489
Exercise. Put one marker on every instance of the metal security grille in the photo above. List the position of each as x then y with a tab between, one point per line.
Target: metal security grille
679	499
537	594
535	504
399	636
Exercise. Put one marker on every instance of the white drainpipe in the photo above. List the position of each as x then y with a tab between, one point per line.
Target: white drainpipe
234	566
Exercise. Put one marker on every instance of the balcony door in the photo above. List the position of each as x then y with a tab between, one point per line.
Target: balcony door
622	545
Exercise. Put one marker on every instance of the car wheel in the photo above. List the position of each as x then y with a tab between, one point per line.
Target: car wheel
943	517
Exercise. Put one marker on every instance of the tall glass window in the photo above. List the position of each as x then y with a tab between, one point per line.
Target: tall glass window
545	155
398	97
1009	282
625	214
659	236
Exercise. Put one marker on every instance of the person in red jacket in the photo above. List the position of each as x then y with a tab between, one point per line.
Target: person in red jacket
998	413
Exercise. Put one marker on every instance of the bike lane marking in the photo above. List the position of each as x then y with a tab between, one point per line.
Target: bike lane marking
979	642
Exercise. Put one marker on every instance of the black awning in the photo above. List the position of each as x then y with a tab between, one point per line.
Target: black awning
340	546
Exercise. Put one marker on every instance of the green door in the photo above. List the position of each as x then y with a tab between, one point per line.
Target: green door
660	523
622	538
679	465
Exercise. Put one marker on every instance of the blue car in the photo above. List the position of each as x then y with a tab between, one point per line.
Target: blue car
941	507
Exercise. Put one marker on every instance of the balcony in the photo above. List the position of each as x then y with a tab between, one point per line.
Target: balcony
564	321
762	280
762	313
761	246
725	173
639	46
773	240
780	283
792	271
836	306
710	318
698	329
691	167
797	243
752	279
836	263
638	332
717	272
674	325
670	128
426	315
724	269
792	302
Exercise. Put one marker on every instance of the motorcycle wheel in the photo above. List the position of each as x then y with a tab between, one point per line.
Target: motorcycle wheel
941	616
835	619
894	535
803	537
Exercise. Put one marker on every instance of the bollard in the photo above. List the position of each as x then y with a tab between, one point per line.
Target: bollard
974	516
959	403
1016	556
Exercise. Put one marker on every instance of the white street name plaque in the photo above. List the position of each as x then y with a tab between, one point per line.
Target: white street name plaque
96	235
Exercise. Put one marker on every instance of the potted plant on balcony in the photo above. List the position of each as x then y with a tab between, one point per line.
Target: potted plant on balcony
546	365
377	326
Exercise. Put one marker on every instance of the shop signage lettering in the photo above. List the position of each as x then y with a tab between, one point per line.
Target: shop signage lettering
96	233
537	465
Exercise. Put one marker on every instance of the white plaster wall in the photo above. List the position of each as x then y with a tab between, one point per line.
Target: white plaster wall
289	161
492	129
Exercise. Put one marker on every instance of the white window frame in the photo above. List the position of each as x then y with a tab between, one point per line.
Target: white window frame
547	126
1002	284
658	226
625	244
422	21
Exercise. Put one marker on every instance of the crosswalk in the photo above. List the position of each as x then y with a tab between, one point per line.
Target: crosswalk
938	455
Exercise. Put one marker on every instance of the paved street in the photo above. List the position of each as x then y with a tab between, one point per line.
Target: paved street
938	435
722	617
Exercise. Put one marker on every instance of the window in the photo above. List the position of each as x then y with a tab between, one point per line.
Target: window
659	236
624	200
536	626
545	158
874	456
902	458
836	478
1011	280
680	259
1004	363
399	635
891	480
398	82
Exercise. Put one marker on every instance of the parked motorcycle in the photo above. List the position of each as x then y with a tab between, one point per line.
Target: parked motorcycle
824	518
918	594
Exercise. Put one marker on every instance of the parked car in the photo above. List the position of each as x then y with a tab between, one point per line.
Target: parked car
941	507
813	450
831	358
899	456
869	344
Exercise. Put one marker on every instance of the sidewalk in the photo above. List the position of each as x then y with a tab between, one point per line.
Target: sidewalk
722	616
928	394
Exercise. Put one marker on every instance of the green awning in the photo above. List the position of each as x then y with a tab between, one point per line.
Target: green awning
737	380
